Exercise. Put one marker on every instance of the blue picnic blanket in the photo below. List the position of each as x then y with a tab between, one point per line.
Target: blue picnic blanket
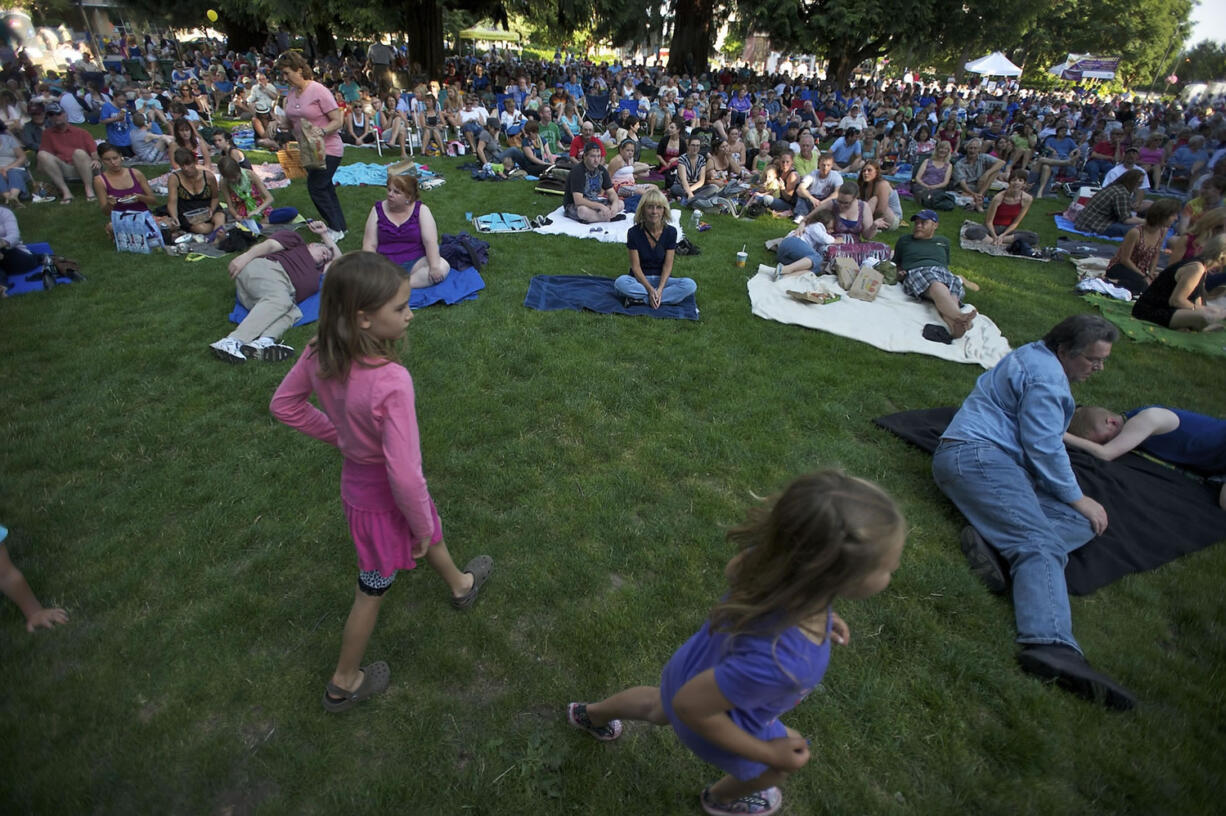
366	173
359	173
18	285
459	285
1066	225
550	293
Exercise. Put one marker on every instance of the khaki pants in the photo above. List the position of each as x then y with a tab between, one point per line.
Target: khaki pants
265	289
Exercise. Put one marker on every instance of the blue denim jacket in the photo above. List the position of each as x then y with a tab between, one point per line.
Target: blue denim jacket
1024	406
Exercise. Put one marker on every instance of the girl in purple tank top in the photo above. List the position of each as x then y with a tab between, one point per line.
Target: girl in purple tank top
119	188
402	229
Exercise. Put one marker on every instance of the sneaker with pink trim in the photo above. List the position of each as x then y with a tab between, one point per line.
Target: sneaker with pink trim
761	803
576	715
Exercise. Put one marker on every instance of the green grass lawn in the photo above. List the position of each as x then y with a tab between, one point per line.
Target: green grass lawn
202	554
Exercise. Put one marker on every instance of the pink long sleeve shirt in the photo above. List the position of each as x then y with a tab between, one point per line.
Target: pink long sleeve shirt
372	419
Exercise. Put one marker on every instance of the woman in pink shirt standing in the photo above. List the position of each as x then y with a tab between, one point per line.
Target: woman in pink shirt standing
368	413
308	100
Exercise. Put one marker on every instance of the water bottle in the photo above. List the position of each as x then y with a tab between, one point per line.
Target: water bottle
695	220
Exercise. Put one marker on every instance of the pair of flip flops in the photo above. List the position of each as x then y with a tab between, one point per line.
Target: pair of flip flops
541	221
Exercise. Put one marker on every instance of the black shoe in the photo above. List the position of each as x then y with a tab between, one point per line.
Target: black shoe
985	563
1072	672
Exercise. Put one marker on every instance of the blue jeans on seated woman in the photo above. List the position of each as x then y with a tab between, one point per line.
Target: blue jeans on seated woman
1032	529
792	249
16	179
675	290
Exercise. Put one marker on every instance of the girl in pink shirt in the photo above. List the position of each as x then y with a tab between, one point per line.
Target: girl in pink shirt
368	413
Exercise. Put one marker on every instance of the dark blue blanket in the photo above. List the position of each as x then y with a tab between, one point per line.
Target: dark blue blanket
460	284
18	285
549	293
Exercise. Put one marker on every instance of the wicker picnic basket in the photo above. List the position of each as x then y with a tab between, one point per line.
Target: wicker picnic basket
291	161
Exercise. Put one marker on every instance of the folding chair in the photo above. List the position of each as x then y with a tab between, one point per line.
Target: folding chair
597	108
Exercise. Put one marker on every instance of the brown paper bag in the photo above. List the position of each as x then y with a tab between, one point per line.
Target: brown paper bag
845	269
866	285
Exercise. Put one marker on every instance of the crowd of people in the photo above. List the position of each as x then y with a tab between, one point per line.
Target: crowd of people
629	138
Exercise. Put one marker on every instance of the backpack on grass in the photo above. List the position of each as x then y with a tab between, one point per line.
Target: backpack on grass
551	186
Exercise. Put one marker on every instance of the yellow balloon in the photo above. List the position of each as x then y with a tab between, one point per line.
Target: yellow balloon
212	15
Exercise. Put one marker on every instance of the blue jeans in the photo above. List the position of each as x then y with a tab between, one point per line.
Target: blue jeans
18	179
792	249
1118	230
1097	168
675	291
1033	530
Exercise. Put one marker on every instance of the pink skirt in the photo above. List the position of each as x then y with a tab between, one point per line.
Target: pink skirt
380	532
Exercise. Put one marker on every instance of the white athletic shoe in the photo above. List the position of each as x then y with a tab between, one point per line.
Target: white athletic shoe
337	235
268	350
228	350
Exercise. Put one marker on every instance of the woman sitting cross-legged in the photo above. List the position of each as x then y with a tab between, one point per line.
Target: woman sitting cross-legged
192	196
1007	210
626	172
402	229
651	243
932	176
119	188
359	128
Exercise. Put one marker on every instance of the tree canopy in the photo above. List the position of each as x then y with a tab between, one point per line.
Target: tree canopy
1148	34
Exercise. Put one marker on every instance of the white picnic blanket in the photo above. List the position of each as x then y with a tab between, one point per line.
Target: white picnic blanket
892	322
613	232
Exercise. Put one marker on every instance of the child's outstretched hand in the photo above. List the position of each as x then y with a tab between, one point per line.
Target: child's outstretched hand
789	753
839	631
46	619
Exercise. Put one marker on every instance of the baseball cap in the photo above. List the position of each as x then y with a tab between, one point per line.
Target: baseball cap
926	215
53	108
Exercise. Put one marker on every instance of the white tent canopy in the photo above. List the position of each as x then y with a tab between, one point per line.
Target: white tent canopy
994	64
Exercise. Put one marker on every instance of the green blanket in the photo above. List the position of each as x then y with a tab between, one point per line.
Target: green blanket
1120	314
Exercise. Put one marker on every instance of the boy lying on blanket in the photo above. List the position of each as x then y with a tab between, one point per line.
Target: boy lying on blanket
924	258
1184	438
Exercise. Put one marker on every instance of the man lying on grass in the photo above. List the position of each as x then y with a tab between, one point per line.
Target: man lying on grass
272	278
924	258
1190	440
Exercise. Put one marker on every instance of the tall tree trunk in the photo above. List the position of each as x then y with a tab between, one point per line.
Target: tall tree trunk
840	68
424	23
325	43
693	35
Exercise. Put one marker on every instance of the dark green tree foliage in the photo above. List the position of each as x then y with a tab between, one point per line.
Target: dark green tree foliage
1204	63
847	32
1146	34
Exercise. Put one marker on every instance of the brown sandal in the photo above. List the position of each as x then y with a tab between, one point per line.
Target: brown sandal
375	679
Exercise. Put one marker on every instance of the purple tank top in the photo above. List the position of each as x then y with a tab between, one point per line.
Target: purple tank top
849	226
933	175
400	244
131	206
